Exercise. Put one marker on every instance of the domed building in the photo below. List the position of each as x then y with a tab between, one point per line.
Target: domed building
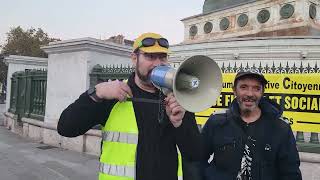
216	5
252	18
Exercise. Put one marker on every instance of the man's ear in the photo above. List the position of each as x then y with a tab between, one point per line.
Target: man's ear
234	91
134	59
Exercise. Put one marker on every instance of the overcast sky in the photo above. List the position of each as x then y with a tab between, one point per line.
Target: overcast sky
69	19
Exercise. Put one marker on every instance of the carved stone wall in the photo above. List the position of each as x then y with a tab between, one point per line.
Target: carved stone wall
263	18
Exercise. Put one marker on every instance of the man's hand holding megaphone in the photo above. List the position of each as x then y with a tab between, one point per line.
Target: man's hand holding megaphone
174	110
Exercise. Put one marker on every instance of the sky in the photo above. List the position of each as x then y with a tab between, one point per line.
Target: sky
70	19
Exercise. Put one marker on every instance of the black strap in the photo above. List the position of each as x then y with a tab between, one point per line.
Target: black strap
159	101
144	100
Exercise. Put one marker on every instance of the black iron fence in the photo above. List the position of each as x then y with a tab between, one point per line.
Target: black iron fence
28	94
2	98
105	73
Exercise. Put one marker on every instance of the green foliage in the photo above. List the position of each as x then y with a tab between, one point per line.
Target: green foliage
26	42
3	74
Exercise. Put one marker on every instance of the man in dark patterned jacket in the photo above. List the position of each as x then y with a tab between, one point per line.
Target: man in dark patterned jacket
250	140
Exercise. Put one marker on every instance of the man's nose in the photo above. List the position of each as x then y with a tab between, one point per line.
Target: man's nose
250	92
158	61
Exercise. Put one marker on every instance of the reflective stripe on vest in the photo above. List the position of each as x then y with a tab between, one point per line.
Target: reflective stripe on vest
121	137
180	173
115	170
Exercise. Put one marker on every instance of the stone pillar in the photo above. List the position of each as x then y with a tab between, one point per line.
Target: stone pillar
69	65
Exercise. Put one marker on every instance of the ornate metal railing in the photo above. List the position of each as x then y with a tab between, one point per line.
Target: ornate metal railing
28	94
294	69
106	73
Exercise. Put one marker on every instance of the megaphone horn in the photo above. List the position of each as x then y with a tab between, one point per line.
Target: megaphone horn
196	83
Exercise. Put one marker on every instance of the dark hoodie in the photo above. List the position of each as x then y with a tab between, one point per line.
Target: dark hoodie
156	149
274	153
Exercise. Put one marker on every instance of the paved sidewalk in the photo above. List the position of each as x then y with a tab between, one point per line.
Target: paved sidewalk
21	159
310	171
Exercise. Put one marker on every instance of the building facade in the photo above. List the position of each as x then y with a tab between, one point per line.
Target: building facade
252	18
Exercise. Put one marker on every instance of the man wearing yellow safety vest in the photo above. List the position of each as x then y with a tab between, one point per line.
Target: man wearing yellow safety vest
142	139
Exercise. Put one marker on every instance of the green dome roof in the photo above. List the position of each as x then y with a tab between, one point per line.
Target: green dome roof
213	5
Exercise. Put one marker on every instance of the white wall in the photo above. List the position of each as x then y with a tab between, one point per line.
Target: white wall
67	78
69	65
294	50
107	59
20	63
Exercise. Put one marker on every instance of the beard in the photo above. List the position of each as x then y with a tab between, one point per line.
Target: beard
142	77
145	78
247	109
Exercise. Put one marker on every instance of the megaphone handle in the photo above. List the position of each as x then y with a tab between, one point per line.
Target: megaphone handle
165	91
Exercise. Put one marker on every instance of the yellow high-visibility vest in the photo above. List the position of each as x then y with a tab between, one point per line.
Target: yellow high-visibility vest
120	139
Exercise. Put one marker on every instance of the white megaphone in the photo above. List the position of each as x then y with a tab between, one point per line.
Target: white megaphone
196	83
